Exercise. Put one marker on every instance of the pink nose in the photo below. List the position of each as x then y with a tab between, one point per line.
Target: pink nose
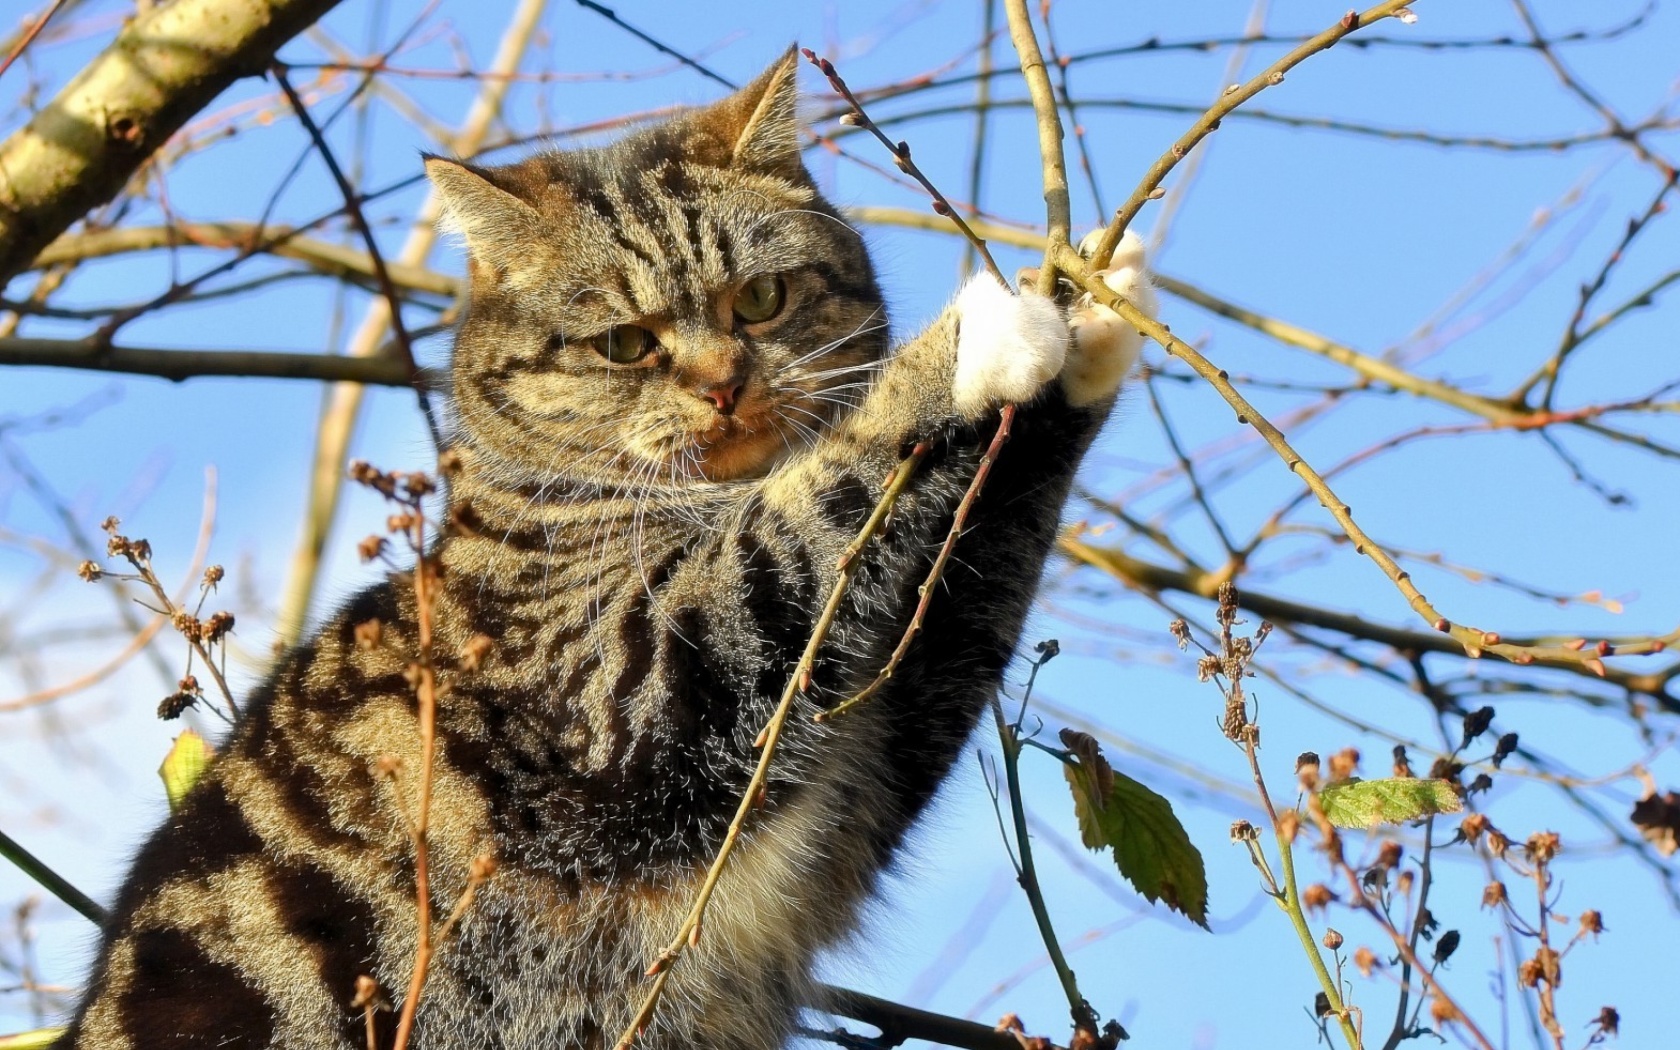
723	396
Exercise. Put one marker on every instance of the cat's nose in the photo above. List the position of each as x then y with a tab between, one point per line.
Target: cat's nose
723	395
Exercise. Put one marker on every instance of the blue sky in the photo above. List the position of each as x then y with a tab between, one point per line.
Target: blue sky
1358	237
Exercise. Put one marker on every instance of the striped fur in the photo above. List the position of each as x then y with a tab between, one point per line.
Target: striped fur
649	566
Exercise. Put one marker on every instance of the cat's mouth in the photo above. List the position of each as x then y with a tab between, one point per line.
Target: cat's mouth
734	446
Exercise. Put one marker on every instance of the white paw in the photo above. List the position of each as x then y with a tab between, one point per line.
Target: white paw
1008	346
1105	347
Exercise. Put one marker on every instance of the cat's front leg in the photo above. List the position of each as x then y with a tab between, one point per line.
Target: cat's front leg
1008	346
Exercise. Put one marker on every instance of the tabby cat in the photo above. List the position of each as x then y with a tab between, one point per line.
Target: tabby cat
675	405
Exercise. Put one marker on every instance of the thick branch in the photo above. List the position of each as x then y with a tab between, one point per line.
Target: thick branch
1148	576
898	1022
187	364
80	150
325	257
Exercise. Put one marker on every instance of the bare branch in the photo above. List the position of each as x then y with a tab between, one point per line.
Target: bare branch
82	147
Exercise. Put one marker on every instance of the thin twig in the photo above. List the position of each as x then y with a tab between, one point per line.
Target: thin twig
1475	642
931	582
1274	74
901	157
353	207
51	880
30	34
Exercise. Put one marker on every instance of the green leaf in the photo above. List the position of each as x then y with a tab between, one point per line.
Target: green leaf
39	1039
1150	846
181	768
1393	800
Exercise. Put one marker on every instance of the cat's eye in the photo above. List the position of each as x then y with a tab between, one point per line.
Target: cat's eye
759	300
623	344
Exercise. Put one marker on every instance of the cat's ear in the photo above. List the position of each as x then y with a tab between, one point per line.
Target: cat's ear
760	122
498	226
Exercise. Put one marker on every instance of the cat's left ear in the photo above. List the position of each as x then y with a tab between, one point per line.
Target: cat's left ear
760	122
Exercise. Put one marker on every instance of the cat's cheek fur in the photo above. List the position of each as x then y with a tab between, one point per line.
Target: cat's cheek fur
1008	346
1105	347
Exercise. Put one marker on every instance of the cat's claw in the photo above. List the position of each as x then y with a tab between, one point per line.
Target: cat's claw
1105	347
1008	345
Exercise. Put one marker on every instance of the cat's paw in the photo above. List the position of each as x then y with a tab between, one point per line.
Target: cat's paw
1105	347
1008	346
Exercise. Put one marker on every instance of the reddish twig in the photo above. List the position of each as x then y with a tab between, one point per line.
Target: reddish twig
938	570
30	34
901	157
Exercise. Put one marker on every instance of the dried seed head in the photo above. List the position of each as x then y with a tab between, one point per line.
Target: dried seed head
1403	882
214	575
1541	847
1493	894
1445	769
1180	632
475	651
217	627
1402	763
1481	783
185	623
1366	960
1443	1012
111	524
1047	650
1344	764
1289	825
1497	842
1306	770
1592	923
371	547
1389	854
417	484
1243	831
89	571
1502	750
1446	946
852	119
367	994
1608	1021
1226	612
1332	939
1207	667
1235	723
1472	826
1317	897
174	705
1475	724
368	633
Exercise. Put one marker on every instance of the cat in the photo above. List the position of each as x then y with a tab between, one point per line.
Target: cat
674	405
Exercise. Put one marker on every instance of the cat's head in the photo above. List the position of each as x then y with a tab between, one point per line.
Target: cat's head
681	304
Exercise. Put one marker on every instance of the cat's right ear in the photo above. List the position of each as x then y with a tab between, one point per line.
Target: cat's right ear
498	227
